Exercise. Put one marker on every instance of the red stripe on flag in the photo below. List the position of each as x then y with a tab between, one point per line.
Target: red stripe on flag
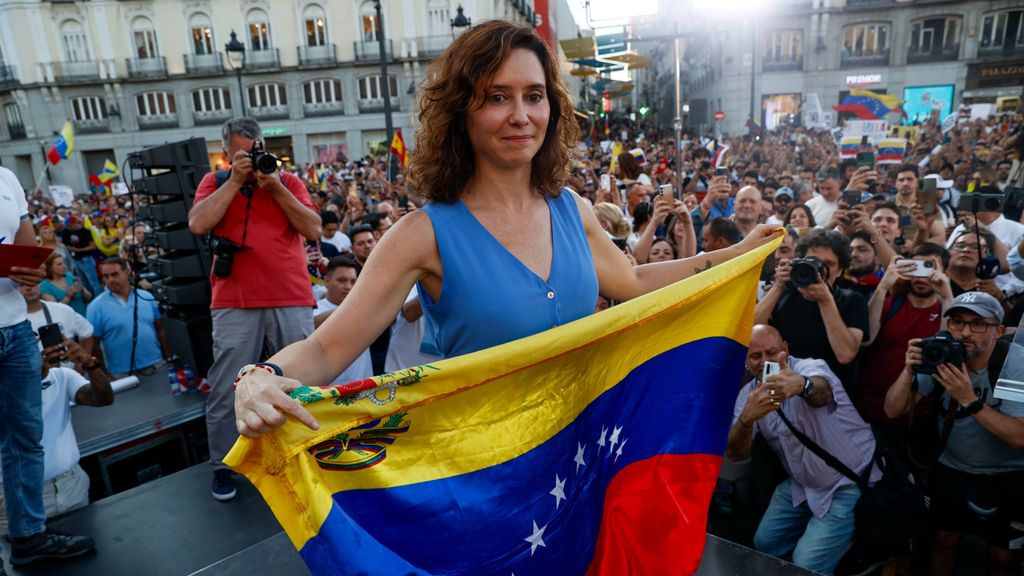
655	516
53	156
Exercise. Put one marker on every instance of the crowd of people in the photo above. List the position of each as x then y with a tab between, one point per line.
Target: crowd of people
869	274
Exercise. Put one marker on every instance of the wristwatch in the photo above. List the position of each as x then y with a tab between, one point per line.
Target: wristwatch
973	407
808	387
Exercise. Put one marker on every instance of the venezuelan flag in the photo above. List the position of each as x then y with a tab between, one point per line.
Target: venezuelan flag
64	145
591	448
849	147
108	173
868	105
891	151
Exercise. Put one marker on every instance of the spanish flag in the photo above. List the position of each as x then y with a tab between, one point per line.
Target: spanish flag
398	148
591	448
64	145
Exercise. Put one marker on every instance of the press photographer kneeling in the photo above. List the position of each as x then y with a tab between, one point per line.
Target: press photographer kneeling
976	483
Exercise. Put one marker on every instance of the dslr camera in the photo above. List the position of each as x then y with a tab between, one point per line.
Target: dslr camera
262	160
805	271
937	350
224	255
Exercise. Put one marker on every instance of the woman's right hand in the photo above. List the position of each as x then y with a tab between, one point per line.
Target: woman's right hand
262	401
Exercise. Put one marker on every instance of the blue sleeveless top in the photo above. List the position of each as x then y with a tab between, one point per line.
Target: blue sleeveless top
489	297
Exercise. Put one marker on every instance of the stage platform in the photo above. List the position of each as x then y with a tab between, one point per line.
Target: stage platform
173	527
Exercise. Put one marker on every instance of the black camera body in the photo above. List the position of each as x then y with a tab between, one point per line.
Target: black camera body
937	350
262	160
805	271
987	268
982	202
223	255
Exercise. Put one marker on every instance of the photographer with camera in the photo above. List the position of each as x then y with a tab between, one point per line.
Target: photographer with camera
975	485
816	318
258	218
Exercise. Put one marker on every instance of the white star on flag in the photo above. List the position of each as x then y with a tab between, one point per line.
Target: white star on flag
614	439
617	452
558	491
601	440
579	457
537	538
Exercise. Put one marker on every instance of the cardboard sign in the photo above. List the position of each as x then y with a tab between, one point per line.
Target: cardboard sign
62	195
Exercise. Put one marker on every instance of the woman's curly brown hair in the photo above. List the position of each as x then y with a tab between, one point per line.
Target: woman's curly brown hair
443	160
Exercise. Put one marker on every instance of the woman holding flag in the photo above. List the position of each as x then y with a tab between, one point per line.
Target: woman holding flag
502	251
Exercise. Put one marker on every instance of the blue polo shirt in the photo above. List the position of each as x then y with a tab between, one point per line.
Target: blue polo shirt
111	319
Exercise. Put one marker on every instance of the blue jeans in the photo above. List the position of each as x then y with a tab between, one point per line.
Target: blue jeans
818	544
21	429
85	269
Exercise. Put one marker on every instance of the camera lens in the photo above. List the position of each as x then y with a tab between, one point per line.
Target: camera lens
933	355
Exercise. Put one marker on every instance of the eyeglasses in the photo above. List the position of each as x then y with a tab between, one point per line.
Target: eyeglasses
976	325
965	246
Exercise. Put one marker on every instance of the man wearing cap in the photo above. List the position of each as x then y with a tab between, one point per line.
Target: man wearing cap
976	483
781	201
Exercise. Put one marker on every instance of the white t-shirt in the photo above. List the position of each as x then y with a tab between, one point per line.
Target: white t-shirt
404	347
60	447
362	367
339	241
13	209
72	324
821	209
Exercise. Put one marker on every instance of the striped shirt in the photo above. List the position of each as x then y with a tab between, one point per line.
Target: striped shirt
836	427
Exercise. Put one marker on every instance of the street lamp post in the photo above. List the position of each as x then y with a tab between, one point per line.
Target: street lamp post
236	60
678	123
384	79
460	21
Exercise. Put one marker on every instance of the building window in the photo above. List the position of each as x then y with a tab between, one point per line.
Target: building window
211	100
202	34
370	89
783	46
259	31
88	108
144	38
155	104
267	96
322	91
997	27
935	36
368	22
866	40
13	114
316	26
75	42
438	17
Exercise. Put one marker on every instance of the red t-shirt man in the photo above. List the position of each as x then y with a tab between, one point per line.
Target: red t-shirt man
886	357
272	271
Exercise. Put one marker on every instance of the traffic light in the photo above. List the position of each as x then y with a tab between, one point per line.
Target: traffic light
644	109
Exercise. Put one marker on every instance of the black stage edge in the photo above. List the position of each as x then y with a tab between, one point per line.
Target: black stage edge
173	527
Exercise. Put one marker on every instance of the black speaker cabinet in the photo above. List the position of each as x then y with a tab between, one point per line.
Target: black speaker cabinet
190	336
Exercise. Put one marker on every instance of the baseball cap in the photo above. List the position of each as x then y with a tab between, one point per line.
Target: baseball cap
785	191
939	181
981	303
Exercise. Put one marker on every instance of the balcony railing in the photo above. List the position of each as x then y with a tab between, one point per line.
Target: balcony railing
324	109
17	131
371	105
204	64
877	59
70	72
155	121
317	56
947	53
207	118
269	59
432	46
8	76
370	51
269	112
1007	48
784	64
92	126
145	68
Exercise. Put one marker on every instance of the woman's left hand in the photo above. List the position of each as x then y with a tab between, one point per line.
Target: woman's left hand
760	235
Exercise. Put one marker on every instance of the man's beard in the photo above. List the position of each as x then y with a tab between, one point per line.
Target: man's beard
863	271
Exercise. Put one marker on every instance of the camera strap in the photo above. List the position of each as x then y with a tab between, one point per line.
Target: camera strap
46	312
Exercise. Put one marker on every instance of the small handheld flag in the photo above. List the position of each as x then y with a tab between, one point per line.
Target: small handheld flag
64	144
398	148
108	173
